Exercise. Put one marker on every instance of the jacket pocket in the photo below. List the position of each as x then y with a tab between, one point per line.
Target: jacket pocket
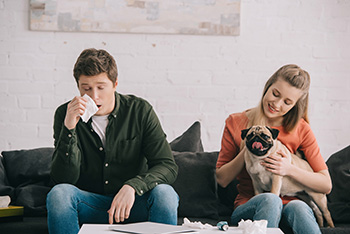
128	150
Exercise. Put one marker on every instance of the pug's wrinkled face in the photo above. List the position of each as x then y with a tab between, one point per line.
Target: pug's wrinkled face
259	139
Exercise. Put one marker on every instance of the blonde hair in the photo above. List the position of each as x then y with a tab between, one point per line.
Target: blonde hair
299	79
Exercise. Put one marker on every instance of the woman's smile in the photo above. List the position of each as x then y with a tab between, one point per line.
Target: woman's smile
272	109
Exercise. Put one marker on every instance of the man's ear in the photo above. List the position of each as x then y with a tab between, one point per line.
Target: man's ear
116	83
274	132
244	133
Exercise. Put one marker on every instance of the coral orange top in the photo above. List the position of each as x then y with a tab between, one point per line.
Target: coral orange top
301	138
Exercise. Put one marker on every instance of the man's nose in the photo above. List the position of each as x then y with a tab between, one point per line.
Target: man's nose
94	94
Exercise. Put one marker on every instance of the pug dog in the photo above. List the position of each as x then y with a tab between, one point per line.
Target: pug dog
261	142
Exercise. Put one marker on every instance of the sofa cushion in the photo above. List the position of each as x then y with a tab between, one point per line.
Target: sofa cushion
189	141
28	172
33	198
5	188
339	199
196	184
227	198
27	166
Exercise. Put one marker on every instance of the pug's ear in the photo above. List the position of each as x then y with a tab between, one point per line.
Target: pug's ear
244	133
274	132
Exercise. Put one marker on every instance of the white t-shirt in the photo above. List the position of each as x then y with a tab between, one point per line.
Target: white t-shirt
99	124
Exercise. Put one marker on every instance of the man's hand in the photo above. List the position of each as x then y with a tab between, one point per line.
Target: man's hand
75	108
121	204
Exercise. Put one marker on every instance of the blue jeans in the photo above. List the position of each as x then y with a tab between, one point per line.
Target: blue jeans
69	207
296	214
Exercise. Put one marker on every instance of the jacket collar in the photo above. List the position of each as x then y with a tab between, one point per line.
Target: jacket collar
114	113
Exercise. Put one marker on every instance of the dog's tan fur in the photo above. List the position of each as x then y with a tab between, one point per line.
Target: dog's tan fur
264	180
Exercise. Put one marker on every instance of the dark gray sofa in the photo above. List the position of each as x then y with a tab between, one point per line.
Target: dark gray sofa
24	175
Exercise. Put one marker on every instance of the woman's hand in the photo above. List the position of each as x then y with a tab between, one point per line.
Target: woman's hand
278	164
122	204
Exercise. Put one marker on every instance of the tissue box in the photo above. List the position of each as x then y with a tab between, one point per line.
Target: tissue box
11	213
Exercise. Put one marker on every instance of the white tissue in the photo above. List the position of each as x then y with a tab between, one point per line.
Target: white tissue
196	225
90	110
4	201
256	227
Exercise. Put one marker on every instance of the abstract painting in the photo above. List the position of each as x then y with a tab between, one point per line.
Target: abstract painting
196	17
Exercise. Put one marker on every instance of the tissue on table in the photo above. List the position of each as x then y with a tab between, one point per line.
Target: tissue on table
196	225
90	110
256	227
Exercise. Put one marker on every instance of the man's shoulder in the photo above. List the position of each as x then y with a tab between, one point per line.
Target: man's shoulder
62	108
131	100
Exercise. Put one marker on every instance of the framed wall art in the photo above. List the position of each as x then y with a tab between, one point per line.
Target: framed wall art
196	17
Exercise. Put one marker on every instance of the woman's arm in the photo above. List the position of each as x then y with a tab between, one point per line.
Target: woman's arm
231	160
228	172
318	181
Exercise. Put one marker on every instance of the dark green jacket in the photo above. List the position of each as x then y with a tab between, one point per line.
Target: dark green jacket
136	153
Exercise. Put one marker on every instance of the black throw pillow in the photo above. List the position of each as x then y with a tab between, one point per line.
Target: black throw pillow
196	184
339	199
189	141
27	166
28	172
5	188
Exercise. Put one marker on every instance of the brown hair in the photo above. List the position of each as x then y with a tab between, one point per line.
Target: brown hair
299	79
92	62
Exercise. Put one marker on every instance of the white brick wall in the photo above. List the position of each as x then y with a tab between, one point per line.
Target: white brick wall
186	78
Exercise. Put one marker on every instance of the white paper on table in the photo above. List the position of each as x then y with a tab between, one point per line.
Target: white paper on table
90	110
151	228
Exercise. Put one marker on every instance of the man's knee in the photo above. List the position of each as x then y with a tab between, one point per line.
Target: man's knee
165	194
59	195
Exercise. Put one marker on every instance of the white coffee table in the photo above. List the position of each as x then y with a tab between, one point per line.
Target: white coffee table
105	229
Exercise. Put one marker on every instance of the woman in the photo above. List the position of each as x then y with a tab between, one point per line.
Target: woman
283	106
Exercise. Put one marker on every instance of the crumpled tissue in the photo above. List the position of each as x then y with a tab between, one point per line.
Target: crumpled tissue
5	201
256	227
90	110
196	225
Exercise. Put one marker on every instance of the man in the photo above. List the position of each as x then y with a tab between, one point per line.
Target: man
116	166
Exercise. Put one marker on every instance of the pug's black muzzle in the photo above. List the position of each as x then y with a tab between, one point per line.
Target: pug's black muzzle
257	145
